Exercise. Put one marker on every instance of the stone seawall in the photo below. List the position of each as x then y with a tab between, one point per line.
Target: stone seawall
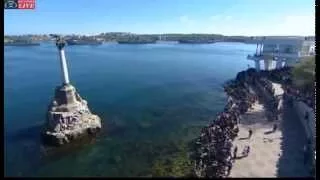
308	123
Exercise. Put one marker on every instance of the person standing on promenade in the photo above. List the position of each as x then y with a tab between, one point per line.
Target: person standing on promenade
245	151
250	133
306	116
275	127
229	167
248	150
235	150
305	154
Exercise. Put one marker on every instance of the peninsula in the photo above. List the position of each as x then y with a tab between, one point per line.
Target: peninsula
20	43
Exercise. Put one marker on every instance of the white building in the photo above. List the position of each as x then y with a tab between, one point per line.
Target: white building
283	50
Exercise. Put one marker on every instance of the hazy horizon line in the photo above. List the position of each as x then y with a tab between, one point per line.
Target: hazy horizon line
96	34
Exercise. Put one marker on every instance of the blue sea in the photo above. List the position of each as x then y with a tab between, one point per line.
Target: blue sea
149	97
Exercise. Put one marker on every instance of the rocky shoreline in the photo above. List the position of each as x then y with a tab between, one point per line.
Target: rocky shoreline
212	150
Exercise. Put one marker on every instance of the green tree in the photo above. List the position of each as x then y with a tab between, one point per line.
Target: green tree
304	73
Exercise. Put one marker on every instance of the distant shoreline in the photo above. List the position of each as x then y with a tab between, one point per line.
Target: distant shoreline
21	44
130	38
115	42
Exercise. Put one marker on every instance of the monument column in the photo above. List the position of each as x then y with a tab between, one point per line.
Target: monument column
64	68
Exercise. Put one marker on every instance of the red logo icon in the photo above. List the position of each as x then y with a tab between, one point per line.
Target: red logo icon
26	4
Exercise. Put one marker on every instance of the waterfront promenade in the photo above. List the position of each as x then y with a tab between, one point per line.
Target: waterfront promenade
272	154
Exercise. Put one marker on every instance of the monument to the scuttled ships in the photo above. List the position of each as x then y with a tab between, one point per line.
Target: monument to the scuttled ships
68	116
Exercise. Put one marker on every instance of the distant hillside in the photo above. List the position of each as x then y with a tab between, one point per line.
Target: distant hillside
131	37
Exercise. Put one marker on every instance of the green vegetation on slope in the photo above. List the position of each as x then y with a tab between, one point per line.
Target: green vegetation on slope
304	73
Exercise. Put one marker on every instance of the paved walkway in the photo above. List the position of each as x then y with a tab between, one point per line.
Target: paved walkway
272	154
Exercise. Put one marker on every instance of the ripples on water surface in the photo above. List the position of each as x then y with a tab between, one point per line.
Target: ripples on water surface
152	99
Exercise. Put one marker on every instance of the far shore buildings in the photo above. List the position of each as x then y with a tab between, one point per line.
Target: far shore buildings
284	51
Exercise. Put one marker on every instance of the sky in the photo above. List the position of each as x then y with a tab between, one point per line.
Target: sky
227	17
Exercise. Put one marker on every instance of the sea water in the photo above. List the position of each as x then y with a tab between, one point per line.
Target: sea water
148	97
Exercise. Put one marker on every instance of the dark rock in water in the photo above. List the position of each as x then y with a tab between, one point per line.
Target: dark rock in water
73	136
59	148
92	131
58	141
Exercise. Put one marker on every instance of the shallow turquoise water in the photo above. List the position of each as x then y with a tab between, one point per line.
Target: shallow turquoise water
147	96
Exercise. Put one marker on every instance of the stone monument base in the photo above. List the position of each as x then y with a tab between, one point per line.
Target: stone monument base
69	118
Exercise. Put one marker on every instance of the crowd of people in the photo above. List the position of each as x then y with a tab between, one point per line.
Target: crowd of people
267	85
284	77
307	97
213	148
272	103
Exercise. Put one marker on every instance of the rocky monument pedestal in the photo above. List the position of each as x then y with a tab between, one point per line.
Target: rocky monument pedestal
69	118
